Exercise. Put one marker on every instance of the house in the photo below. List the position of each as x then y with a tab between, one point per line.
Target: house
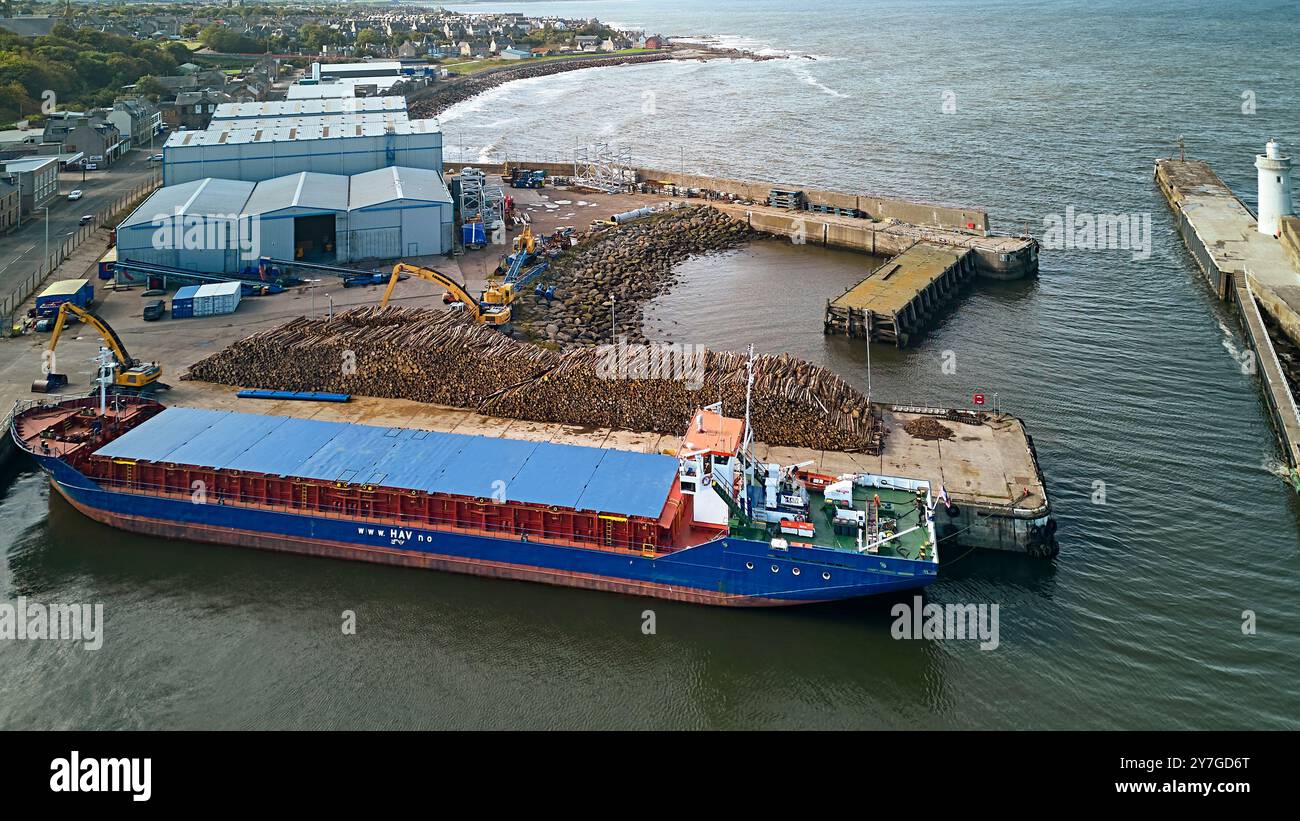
607	45
137	120
513	53
193	110
654	42
587	42
36	178
408	51
89	133
20	140
10	205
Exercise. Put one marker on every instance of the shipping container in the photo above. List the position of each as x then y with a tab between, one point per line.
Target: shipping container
183	302
80	292
217	298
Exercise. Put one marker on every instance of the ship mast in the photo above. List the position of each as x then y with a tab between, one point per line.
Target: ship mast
105	361
749	393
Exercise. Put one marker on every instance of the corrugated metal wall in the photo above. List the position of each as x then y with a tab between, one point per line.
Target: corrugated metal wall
255	162
211	246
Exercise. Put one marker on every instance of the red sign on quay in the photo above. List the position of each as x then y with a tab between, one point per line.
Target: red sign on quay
979	399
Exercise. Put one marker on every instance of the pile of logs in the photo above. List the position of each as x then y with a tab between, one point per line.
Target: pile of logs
442	358
622	267
925	427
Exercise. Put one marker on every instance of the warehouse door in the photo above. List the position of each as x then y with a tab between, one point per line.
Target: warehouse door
313	238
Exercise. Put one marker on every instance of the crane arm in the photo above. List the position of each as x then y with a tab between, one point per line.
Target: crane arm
101	327
457	290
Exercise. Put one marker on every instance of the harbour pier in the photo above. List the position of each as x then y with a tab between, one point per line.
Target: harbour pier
1256	270
899	298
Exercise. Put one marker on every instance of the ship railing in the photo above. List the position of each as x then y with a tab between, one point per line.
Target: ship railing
595	540
56	401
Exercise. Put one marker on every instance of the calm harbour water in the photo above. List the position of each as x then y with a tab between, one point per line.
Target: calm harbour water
1122	369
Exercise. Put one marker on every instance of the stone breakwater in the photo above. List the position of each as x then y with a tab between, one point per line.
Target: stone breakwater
444	94
622	267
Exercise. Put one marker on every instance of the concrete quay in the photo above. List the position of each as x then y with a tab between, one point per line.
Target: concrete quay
899	297
1258	273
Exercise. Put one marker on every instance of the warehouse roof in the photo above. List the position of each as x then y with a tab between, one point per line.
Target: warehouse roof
315	91
227	133
28	163
343	69
334	121
212	197
541	473
270	109
302	190
205	197
394	183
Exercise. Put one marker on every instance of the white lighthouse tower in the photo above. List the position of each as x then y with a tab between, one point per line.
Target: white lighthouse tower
1274	187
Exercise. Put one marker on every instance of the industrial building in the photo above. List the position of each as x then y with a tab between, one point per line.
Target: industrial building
256	154
392	213
222	226
322	72
335	122
277	109
194	226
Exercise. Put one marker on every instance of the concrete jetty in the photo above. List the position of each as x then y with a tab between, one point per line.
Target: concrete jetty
898	298
1256	272
995	256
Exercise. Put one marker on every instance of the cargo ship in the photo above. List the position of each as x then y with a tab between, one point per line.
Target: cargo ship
709	524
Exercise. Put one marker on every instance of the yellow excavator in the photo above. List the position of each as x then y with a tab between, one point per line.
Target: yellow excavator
129	374
489	314
516	276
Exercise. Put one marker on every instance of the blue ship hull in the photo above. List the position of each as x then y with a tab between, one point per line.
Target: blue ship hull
725	571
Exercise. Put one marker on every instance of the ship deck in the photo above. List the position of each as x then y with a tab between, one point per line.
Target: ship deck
894	504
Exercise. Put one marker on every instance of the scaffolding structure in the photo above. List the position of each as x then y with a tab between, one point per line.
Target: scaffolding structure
478	199
471	182
603	167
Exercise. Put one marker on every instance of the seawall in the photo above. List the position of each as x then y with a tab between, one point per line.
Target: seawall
1245	268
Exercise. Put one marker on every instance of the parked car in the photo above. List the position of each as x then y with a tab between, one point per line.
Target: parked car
155	310
75	195
92	166
86	218
155	158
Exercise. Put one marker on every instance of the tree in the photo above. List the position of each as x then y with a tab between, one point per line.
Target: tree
149	86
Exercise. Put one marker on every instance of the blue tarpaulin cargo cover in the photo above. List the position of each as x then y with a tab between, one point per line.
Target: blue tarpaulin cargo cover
541	473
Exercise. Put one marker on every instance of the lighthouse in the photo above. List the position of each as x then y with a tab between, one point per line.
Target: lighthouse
1274	187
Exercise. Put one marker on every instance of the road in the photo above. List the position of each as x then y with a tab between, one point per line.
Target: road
21	251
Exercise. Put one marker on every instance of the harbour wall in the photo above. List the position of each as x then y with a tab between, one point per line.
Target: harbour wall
970	220
1244	268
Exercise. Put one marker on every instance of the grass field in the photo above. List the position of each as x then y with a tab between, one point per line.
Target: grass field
474	66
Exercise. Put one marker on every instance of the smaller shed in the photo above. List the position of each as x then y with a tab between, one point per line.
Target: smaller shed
399	212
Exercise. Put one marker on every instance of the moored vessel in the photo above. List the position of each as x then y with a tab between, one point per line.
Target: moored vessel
710	524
